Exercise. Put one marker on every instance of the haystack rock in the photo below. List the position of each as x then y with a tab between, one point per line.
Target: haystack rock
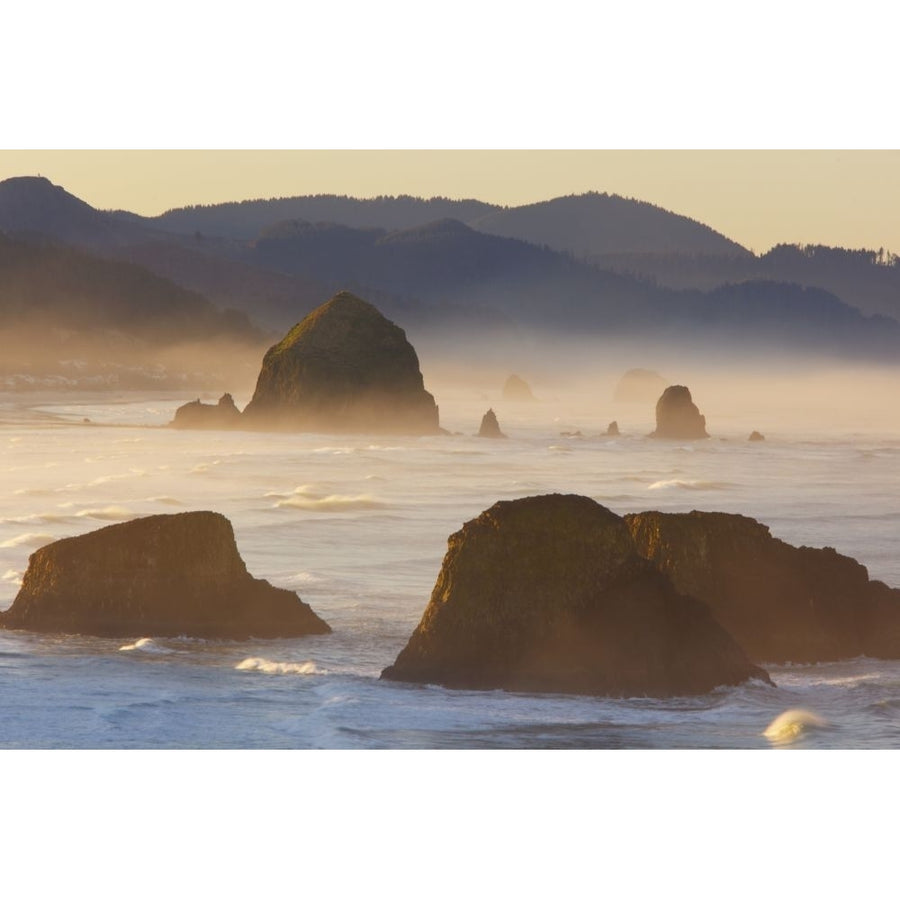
517	389
165	575
677	418
549	593
345	367
639	386
781	603
223	414
490	427
756	436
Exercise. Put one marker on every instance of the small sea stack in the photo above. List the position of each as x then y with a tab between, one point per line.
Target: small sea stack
549	594
639	386
756	436
158	576
344	368
612	430
196	414
781	603
517	390
677	417
490	427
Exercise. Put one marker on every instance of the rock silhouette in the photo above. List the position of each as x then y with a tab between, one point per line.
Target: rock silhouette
490	427
195	414
677	417
756	436
548	593
345	367
612	429
517	389
781	603
166	575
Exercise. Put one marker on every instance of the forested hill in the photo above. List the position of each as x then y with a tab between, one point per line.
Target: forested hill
248	218
589	224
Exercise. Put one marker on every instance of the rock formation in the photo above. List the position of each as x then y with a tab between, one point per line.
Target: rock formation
345	367
549	594
756	436
677	418
612	430
224	414
164	575
781	603
490	427
639	386
517	389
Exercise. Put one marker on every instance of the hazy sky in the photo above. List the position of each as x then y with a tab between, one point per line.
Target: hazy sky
756	197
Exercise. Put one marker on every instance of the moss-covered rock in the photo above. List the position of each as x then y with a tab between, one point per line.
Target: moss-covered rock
164	575
345	367
549	594
781	603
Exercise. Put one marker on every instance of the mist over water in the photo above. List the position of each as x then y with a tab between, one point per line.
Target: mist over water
358	526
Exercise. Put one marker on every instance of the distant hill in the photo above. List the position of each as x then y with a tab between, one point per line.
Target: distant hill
61	304
35	206
586	225
866	279
670	279
248	218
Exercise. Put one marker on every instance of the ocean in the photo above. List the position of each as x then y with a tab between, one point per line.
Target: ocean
358	526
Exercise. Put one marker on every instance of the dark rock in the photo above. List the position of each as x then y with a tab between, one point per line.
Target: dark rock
612	429
164	575
345	367
223	414
549	594
781	603
677	418
517	389
756	436
490	427
639	386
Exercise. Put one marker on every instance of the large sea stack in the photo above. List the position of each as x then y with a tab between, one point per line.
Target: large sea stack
345	367
677	418
490	427
165	575
548	594
781	603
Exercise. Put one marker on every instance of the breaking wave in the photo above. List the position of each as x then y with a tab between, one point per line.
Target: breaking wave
304	498
146	645
688	485
270	667
792	724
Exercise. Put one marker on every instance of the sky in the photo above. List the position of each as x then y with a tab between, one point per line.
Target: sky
759	198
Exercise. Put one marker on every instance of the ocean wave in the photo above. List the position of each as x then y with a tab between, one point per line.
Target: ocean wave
688	485
145	645
271	667
29	539
792	724
304	497
108	514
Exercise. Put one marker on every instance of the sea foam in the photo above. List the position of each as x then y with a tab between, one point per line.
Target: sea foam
271	667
